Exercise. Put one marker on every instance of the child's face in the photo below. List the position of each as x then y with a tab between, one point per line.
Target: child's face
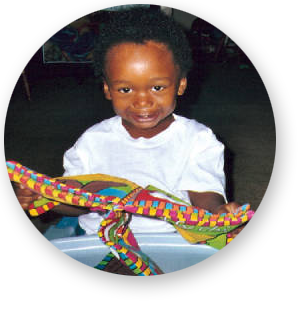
142	81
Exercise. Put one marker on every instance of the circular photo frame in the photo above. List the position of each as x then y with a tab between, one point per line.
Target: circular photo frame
228	260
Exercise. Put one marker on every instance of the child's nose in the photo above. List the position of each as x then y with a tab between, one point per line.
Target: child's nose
143	100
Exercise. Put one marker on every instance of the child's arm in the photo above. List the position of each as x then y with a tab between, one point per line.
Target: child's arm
69	210
26	197
212	202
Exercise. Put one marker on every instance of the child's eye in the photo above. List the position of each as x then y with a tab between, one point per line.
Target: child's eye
157	88
125	90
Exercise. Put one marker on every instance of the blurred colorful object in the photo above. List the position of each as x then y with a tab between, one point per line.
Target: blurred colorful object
119	198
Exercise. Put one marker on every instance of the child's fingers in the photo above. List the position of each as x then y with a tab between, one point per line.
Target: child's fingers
232	207
228	208
21	190
25	201
26	192
221	210
25	196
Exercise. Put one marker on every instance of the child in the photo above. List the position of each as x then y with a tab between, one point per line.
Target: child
144	59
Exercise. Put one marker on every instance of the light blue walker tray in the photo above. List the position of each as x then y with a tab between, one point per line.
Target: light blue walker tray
169	250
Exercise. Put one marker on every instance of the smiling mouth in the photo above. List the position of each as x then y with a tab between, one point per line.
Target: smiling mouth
145	117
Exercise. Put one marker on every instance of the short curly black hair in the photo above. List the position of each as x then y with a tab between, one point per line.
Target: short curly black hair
140	25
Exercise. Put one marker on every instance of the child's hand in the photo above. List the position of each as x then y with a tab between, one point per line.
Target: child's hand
25	196
227	208
230	208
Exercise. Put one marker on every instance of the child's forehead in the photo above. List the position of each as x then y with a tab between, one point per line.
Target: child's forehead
155	50
123	46
156	56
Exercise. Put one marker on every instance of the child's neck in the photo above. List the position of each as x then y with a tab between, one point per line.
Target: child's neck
136	132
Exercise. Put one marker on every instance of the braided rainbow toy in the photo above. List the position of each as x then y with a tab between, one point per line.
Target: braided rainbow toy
119	198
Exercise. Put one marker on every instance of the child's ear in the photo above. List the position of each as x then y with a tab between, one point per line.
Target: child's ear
182	86
106	90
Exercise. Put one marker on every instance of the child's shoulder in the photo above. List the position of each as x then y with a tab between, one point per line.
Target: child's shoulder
195	132
192	126
197	135
103	126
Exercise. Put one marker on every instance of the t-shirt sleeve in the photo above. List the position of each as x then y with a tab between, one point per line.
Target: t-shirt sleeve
74	161
204	170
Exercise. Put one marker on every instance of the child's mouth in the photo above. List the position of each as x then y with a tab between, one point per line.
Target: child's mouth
144	117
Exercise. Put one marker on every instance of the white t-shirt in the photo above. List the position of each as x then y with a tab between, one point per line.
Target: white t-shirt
186	156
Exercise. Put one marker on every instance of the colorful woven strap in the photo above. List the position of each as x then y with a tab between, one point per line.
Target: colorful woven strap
193	223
